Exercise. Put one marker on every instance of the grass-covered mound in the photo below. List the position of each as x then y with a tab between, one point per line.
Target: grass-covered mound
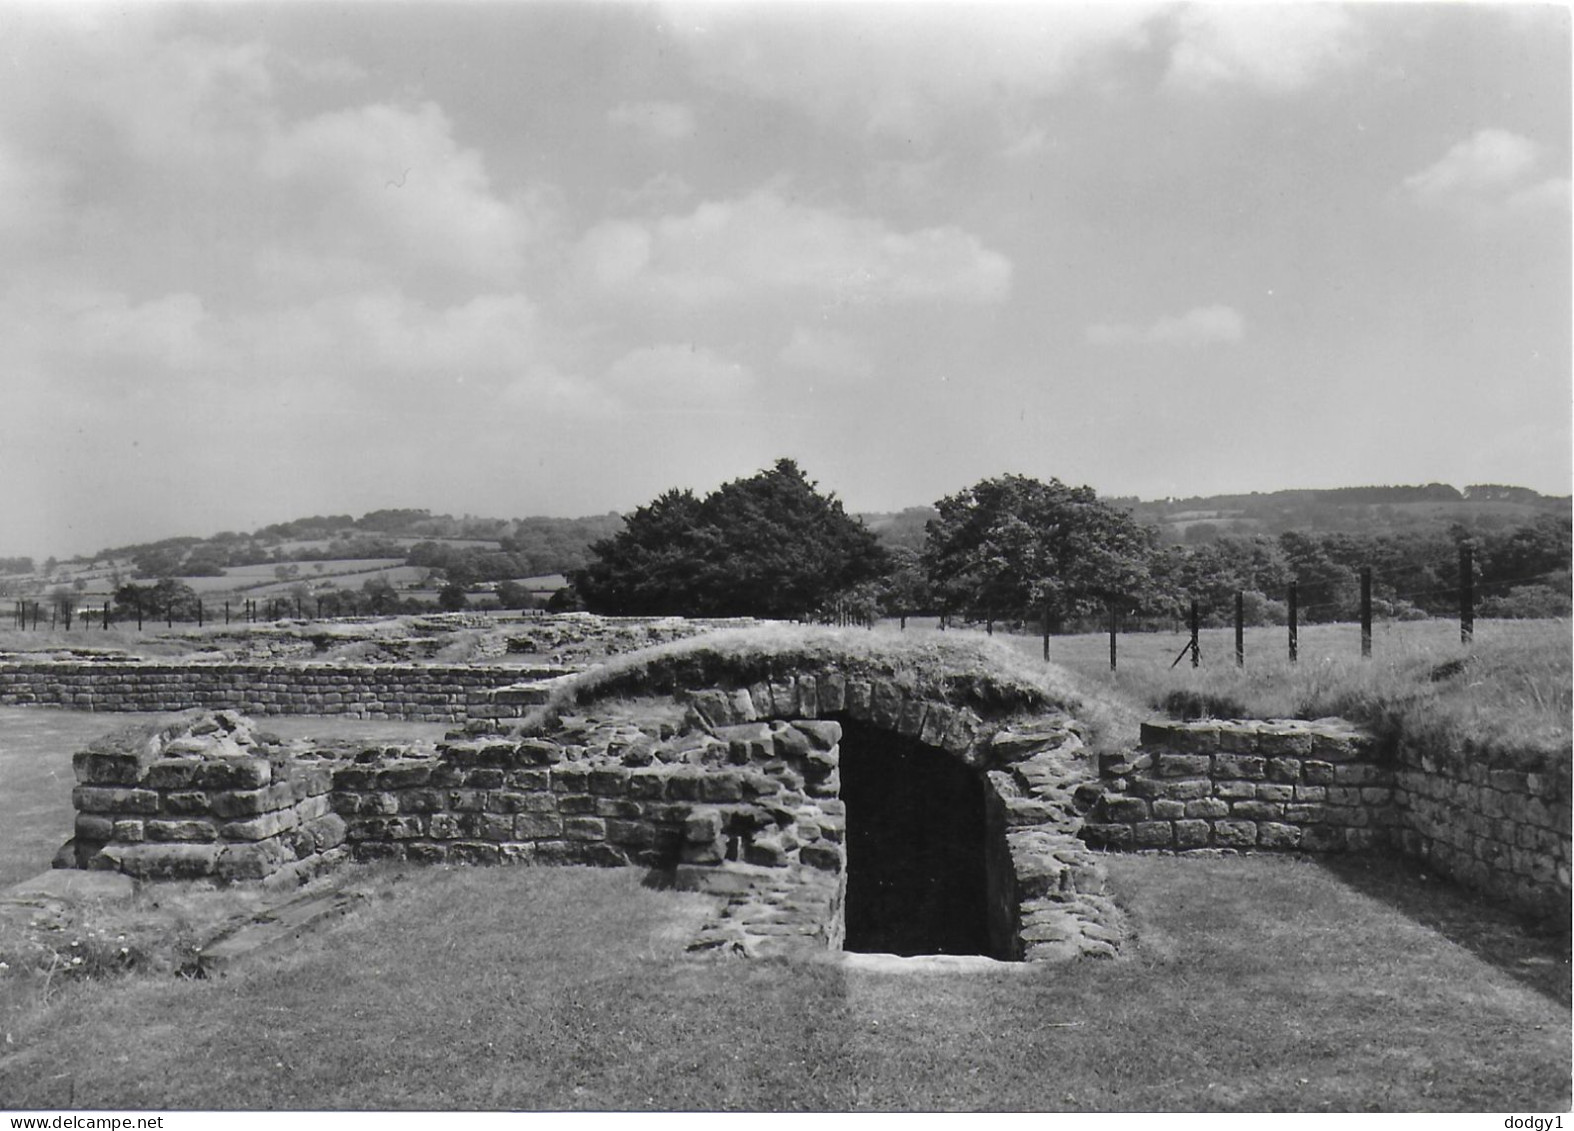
961	669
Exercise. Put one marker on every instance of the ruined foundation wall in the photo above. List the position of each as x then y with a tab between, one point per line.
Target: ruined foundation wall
429	693
1492	821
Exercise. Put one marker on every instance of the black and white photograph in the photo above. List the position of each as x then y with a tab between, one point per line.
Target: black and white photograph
764	556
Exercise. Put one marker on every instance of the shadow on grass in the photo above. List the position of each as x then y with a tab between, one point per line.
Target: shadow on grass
1533	953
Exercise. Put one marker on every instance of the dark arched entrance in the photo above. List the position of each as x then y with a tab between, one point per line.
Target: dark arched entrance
917	876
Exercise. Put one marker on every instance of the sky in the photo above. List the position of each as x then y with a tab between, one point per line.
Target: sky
262	261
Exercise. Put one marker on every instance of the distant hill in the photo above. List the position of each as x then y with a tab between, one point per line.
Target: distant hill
1353	510
403	543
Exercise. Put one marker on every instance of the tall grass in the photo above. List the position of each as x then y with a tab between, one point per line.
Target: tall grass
1511	689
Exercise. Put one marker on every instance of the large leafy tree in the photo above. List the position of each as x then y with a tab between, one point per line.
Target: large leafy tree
1018	548
770	545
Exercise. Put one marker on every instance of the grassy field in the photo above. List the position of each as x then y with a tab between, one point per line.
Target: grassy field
1513	686
1257	984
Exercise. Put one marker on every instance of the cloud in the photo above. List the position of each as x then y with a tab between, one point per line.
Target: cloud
1204	325
678	376
1490	173
1273	47
656	121
736	249
899	69
826	352
381	181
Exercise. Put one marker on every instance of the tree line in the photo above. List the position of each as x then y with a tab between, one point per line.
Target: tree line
1016	550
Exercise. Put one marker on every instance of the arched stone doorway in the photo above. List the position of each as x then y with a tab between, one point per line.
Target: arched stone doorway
917	861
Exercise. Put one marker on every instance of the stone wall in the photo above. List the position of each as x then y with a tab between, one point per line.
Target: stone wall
1494	822
730	790
199	796
431	693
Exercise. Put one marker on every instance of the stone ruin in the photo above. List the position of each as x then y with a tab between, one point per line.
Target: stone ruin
826	809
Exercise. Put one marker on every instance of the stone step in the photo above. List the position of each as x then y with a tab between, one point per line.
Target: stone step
273	927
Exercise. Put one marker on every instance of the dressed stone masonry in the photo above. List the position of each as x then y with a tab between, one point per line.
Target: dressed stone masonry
421	692
1495	820
731	790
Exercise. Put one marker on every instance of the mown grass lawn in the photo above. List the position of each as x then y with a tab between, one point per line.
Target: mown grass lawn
1256	983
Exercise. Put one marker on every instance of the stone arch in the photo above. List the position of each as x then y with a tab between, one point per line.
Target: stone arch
1043	894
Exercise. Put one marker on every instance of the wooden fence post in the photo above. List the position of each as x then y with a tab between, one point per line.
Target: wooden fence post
1240	629
1112	627
1467	595
1295	643
1196	647
1366	612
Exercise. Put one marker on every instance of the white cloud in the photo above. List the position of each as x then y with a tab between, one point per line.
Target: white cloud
1203	325
656	121
1276	47
734	249
384	181
678	376
826	352
1490	173
899	69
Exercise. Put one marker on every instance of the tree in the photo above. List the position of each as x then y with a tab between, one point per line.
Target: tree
769	546
451	598
1014	547
381	598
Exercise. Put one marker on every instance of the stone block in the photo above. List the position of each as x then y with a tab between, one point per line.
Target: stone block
647	785
473	853
1274	791
831	690
576	804
262	827
1356	773
530	781
860	695
193	830
1191	834
620	807
113	799
131	830
171	773
808	696
1235	790
91	826
1124	809
1189	789
584	828
1235	833
1335	747
721	787
1207	808
825	856
1107	836
1318	773
784	697
327	831
910	719
108	767
1304	814
1272	834
185	803
1311	793
538	826
1240	767
1153	834
1167	810
405	775
177	861
467	800
570	779
1195	738
885	703
233	773
1188	765
481	777
609	781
